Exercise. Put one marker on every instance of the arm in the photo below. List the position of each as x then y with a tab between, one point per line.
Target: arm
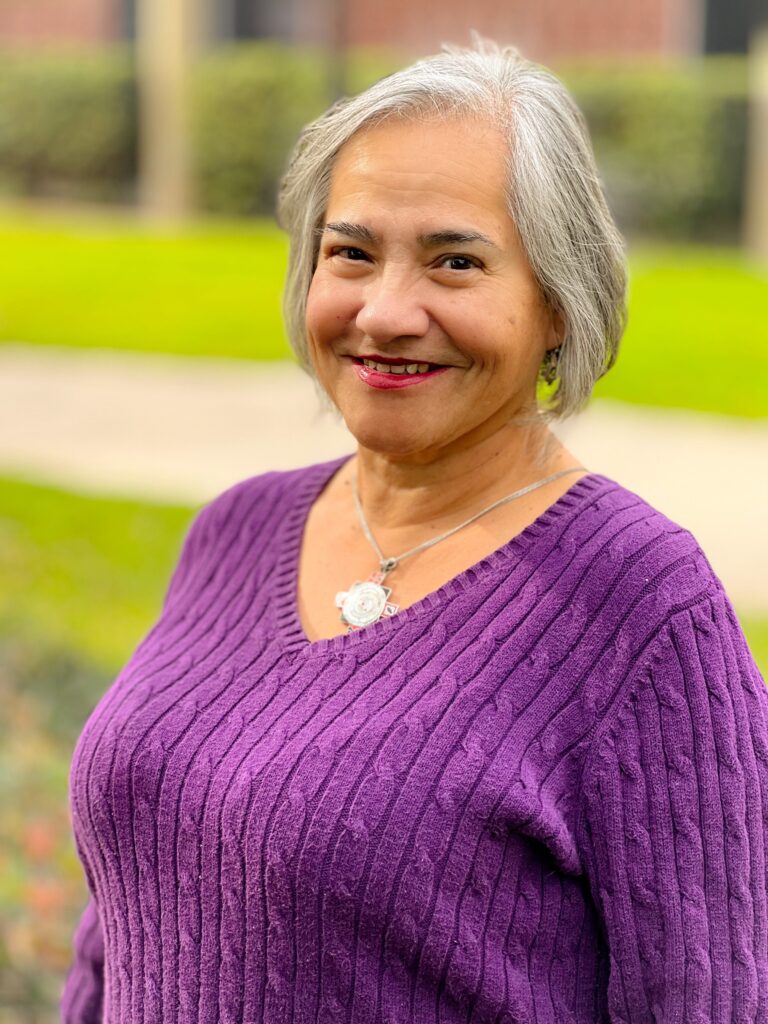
674	828
83	991
81	999
82	994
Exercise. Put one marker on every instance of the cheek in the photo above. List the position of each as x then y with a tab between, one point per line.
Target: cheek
317	312
330	307
479	330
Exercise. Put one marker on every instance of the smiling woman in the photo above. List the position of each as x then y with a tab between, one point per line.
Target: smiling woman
516	771
436	275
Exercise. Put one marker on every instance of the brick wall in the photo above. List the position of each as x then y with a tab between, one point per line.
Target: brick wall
543	29
59	22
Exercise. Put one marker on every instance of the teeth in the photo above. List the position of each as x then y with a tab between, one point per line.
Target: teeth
400	368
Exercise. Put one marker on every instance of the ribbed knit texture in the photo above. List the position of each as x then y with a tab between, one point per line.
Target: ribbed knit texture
540	794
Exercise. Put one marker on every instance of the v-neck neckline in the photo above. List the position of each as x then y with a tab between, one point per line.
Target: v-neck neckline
290	630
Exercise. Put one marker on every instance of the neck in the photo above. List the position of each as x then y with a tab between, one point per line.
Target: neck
402	491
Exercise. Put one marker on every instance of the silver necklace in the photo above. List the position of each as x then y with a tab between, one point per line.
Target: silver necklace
367	601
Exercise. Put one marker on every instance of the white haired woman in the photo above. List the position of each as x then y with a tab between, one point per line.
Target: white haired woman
453	728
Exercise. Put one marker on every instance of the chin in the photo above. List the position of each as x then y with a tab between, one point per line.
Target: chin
376	437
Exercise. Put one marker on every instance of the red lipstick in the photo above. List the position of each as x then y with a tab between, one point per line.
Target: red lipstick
384	381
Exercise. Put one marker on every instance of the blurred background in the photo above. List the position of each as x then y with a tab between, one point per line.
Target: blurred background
143	364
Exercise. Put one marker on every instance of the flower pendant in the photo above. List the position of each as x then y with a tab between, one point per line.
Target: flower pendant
365	602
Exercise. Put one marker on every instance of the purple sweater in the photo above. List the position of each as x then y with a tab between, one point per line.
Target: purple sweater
540	794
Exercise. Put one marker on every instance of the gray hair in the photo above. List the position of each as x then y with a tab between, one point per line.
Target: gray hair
555	196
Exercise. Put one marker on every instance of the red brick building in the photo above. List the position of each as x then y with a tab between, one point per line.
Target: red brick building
58	22
544	29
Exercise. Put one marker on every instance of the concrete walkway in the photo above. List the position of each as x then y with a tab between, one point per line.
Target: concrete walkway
173	429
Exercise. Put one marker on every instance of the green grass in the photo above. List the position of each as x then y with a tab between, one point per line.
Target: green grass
88	574
756	632
84	574
698	333
211	289
697	336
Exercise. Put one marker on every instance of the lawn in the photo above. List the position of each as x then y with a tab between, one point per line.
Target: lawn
697	336
698	333
83	574
212	289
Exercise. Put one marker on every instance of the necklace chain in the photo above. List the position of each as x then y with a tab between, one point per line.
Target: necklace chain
388	564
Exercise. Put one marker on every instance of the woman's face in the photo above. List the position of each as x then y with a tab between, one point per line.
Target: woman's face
420	263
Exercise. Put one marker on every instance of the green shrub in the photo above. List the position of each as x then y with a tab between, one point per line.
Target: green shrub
670	141
249	101
68	123
670	137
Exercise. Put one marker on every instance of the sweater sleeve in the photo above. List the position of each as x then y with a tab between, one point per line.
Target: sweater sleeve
83	990
674	828
82	993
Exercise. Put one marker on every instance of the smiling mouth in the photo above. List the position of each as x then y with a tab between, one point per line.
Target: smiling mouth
398	367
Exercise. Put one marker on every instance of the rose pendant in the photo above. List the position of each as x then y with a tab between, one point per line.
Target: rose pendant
365	602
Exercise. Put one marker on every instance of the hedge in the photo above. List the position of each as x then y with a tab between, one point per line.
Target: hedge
68	124
670	140
670	137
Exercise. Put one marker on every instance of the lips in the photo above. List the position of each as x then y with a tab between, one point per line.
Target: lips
388	378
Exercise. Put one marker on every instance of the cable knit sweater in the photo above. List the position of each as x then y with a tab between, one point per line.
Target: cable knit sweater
540	794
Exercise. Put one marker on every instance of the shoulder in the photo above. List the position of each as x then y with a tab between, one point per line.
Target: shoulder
644	555
244	516
607	573
258	503
661	602
675	654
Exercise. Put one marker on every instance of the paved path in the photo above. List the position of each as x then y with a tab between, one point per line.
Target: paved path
175	429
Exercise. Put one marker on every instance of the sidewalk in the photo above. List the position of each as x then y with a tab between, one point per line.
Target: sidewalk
167	428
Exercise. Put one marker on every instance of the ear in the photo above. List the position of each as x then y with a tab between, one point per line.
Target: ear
556	332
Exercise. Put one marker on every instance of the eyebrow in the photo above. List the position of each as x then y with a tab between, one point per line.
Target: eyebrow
433	240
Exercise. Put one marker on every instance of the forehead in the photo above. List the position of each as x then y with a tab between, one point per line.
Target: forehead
448	167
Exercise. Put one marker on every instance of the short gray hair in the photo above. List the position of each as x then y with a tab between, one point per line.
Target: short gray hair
555	196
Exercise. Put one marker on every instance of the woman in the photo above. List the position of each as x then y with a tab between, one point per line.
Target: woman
454	728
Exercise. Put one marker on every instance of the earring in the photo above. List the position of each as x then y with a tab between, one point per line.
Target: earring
549	364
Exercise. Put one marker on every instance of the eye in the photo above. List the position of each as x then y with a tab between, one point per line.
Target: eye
459	262
349	252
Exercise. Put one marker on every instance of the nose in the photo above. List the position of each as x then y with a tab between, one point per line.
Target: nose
391	309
